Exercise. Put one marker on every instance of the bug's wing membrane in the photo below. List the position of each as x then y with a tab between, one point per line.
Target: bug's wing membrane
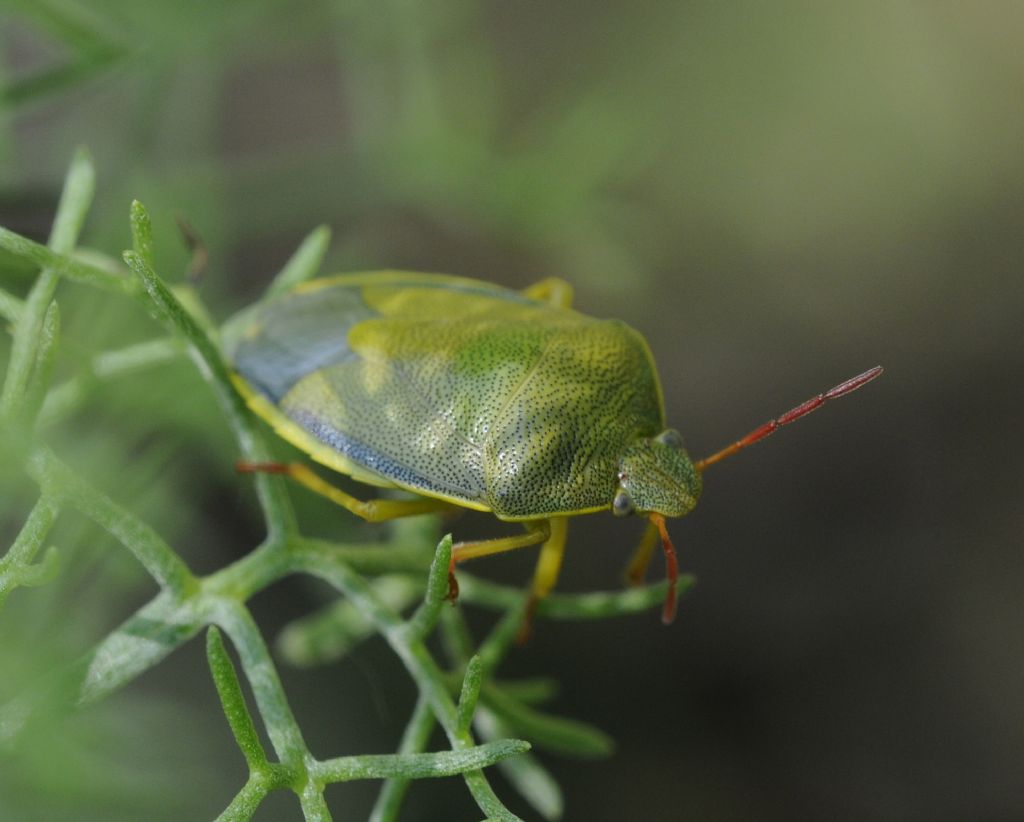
417	402
275	344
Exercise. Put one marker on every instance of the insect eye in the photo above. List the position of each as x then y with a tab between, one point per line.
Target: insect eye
622	505
671	438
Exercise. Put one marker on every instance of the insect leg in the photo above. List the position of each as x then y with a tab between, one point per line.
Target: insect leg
549	563
537	531
553	291
373	510
642	555
671	568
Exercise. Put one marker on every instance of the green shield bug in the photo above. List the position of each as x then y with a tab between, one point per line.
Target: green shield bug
476	396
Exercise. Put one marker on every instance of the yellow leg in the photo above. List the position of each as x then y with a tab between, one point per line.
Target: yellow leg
373	510
536	531
549	563
642	556
551	290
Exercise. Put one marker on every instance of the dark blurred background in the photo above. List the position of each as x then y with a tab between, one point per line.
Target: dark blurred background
777	195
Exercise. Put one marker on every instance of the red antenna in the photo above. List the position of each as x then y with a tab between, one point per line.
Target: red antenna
792	415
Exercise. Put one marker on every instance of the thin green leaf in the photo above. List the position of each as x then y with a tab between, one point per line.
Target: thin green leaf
419	765
246	802
75	199
417	660
66	397
423	621
233	701
496	646
65	266
138	644
156	556
74	204
142	233
91	50
414	740
27	544
527	775
552	733
46	354
276	507
266	686
331	633
304	263
596	605
470	693
10	306
29	576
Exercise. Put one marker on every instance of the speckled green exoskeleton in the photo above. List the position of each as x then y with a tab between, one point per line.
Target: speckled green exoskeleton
472	395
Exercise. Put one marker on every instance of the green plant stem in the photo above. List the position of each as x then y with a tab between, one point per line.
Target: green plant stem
304	263
414	740
233	702
27	544
66	266
247	800
285	736
333	631
155	555
10	306
552	733
42	370
470	693
273	498
417	661
596	605
66	397
418	765
533	781
422	622
74	204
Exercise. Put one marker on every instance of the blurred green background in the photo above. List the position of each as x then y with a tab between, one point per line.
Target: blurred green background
777	195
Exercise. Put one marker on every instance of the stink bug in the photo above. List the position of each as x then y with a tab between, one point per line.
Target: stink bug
472	395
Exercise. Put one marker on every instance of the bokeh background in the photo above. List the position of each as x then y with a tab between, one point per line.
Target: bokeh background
777	195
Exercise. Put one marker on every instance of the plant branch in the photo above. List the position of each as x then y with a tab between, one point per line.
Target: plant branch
74	204
273	498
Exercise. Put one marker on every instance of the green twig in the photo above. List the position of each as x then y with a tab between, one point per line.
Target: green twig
423	621
276	506
470	694
155	555
66	397
596	605
233	702
304	263
18	559
414	740
417	660
243	807
552	733
267	690
332	632
71	211
418	765
10	306
64	265
528	776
